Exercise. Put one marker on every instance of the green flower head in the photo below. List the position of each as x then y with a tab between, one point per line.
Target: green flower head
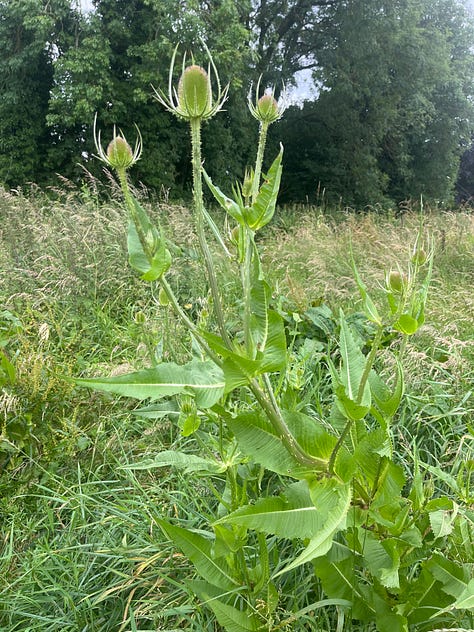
194	97
266	108
119	154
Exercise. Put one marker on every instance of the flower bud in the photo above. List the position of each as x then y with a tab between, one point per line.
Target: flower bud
194	93
247	183
235	235
396	281
267	108
419	257
119	153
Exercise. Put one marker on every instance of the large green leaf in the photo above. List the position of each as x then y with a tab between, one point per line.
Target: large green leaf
204	380
234	620
382	559
285	517
179	460
198	550
387	401
453	576
259	296
262	210
332	499
353	364
257	439
152	259
465	601
228	204
340	580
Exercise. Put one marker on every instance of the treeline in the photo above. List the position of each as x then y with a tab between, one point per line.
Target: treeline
390	118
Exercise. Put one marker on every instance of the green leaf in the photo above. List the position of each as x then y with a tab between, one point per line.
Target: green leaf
154	260
274	355
280	516
442	514
204	380
259	297
257	439
385	400
227	203
333	499
262	210
452	576
382	559
370	309
465	601
406	324
198	550
233	620
353	365
347	380
179	460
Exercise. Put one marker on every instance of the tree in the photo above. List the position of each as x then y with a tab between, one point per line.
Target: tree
28	33
393	108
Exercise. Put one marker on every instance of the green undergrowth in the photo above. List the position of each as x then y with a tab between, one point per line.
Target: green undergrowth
80	548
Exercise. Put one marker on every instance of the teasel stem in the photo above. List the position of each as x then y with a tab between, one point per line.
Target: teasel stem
195	125
246	286
369	363
275	417
248	250
122	176
188	322
262	141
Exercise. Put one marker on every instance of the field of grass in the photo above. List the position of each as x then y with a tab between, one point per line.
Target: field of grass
80	547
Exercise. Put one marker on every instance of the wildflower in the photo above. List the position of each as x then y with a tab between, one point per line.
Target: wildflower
193	99
396	281
118	155
266	108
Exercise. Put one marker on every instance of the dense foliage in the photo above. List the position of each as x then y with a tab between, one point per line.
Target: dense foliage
389	119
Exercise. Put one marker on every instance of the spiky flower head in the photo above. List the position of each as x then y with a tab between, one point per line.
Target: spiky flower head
396	281
194	97
266	108
119	154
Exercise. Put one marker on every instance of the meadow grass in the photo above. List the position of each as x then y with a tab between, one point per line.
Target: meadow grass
80	550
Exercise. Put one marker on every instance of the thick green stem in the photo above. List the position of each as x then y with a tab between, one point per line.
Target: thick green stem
369	363
122	176
275	417
262	139
188	322
246	287
195	124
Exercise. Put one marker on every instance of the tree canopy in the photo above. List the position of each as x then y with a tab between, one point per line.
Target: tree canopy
390	118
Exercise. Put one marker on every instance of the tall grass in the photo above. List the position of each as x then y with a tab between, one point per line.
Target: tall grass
79	547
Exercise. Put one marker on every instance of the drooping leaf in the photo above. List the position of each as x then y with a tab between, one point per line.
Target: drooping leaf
333	499
179	460
198	550
204	380
227	203
281	516
153	259
257	439
453	576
